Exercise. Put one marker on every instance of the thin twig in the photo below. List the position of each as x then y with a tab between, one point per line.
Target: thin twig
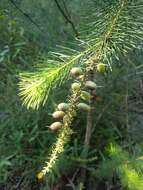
71	184
67	18
66	9
102	112
26	15
17	186
88	133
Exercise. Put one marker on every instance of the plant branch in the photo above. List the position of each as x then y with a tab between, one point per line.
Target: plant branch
89	126
88	134
66	9
26	15
74	99
67	17
89	120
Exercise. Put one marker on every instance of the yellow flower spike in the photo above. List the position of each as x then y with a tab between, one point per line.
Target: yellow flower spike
40	175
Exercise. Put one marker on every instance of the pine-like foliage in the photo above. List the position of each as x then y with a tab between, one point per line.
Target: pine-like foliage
111	30
125	166
36	86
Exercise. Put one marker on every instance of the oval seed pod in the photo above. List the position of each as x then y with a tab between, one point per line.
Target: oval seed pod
91	85
84	107
76	87
55	126
58	114
85	95
101	67
63	106
76	71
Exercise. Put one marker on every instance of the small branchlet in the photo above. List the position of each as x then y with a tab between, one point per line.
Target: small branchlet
70	108
66	112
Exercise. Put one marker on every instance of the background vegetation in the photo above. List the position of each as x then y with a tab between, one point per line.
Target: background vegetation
28	31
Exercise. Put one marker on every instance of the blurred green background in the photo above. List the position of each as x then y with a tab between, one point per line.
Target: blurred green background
24	139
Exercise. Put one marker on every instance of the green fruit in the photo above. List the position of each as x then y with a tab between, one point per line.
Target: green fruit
85	95
55	126
76	71
91	85
84	107
63	106
58	114
101	67
76	87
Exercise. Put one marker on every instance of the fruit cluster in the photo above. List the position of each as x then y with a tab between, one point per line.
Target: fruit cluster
87	92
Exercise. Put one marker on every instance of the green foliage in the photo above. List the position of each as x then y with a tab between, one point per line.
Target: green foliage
114	27
111	34
36	87
18	127
121	163
117	117
50	26
111	27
